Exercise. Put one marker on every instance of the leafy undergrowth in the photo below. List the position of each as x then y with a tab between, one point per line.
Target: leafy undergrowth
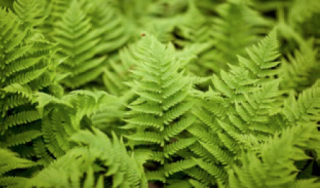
159	93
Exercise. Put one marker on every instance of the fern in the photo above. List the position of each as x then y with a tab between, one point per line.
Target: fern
72	32
197	97
158	115
302	10
273	165
300	70
25	57
30	12
83	165
61	118
10	161
305	109
245	104
233	31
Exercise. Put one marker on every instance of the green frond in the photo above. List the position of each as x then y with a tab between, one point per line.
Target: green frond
184	184
22	90
156	175
31	12
49	135
160	114
306	108
216	171
202	152
234	30
80	166
12	101
10	161
195	183
25	58
178	166
201	175
195	30
312	183
262	168
222	155
178	145
147	120
41	152
206	117
177	111
111	25
15	181
176	128
146	136
300	11
21	138
80	43
300	70
263	57
20	118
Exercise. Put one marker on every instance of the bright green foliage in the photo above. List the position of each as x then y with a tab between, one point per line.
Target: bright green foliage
79	44
9	162
245	104
89	164
64	117
273	165
301	70
86	33
160	114
31	12
24	59
306	108
171	93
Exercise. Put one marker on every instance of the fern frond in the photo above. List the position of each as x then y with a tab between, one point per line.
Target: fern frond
300	11
30	12
19	118
178	145
212	169
234	31
301	69
21	138
111	25
156	175
195	183
262	168
204	177
82	165
160	114
306	108
72	32
178	166
10	161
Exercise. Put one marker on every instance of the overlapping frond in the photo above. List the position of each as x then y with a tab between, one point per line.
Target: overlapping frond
79	43
236	28
92	164
273	165
61	118
301	69
305	108
239	113
160	114
31	12
10	161
24	59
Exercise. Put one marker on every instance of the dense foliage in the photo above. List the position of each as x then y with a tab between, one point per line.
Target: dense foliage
159	93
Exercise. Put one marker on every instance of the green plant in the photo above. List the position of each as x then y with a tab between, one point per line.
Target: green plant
179	93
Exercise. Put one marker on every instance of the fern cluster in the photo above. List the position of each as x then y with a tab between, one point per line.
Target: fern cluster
159	93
